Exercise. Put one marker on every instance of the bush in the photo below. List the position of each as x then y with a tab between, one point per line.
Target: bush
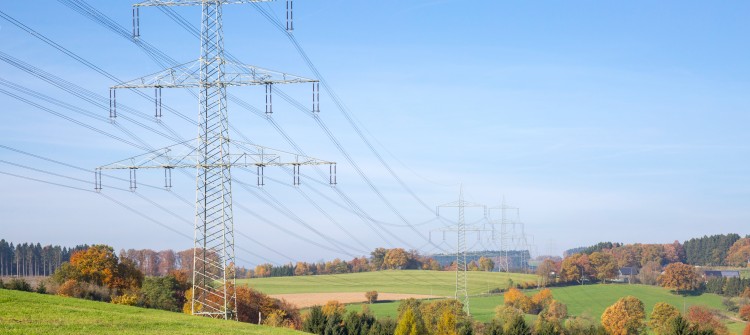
19	284
496	290
125	299
372	296
160	293
41	288
745	313
74	289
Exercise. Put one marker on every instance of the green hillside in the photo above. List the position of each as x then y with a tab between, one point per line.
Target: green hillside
32	313
442	283
587	299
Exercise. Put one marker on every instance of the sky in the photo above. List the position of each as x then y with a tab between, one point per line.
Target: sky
622	122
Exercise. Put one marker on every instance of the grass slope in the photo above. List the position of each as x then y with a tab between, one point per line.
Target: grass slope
32	313
442	283
587	299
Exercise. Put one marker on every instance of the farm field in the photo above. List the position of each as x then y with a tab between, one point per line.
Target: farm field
32	313
587	299
438	283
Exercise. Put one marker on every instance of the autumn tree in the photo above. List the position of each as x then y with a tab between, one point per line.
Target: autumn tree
545	270
486	264
604	266
516	299
649	273
625	317
446	325
739	253
661	318
679	277
371	296
745	312
747	330
575	268
96	265
301	269
395	259
704	319
555	311
409	324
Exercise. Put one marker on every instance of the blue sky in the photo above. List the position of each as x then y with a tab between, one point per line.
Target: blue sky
601	121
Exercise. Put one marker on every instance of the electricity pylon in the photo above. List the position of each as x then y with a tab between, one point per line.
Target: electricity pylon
505	234
462	290
211	74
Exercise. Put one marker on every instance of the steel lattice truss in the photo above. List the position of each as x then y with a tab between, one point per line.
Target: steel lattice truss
188	75
462	290
211	154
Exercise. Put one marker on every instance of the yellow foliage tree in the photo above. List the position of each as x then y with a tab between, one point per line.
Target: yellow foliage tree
625	317
739	253
661	317
542	299
333	307
408	324
447	323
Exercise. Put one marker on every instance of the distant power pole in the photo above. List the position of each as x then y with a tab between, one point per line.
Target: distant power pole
506	236
214	154
462	284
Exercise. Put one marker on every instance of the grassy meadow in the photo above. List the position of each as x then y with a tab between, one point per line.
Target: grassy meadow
31	313
589	300
440	283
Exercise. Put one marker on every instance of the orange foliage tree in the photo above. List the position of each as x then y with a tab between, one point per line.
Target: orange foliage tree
96	265
625	317
516	299
395	258
704	320
739	253
575	268
604	266
679	277
747	330
745	312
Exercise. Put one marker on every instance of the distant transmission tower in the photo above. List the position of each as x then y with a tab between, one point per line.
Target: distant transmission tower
211	74
505	234
462	285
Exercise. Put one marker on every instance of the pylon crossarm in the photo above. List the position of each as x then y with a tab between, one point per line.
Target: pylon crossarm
188	75
151	3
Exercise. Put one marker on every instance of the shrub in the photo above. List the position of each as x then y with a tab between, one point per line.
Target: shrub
747	330
745	313
41	288
70	288
372	296
19	284
125	299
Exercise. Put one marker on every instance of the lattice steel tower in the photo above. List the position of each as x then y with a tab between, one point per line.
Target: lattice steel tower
211	74
462	291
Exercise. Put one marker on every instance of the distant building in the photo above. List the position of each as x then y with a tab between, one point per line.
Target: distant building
627	274
709	274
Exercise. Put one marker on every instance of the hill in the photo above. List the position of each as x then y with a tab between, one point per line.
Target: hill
440	283
32	313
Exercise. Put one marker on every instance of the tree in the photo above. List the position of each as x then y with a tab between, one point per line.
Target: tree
96	265
661	318
518	326
649	273
604	266
447	323
516	299
747	330
703	319
545	270
575	268
486	264
159	292
541	300
624	317
314	321
679	277
395	259
371	296
555	311
408	324
333	307
745	312
377	257
739	253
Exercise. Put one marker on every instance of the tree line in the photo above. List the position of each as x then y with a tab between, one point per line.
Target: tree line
29	259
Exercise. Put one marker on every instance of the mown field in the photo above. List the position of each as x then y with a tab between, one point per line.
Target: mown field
31	313
589	300
441	283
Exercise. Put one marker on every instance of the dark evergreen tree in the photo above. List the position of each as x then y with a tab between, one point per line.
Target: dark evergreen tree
518	327
315	322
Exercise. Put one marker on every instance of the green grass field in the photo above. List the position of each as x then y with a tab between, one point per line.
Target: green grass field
587	299
32	313
442	283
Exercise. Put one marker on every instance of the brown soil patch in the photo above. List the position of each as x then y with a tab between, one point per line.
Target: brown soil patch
303	300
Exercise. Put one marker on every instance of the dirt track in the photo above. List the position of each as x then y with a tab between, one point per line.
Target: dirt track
303	300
